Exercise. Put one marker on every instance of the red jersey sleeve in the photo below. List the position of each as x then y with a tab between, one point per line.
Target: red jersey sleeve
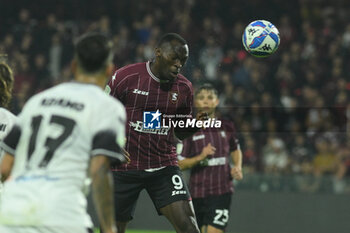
186	107
118	86
189	101
186	149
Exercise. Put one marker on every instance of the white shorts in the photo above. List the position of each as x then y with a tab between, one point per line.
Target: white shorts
42	229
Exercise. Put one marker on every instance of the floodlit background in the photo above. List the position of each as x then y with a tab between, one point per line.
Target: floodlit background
291	110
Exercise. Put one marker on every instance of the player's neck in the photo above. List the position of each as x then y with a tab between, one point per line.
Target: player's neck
154	68
155	71
89	79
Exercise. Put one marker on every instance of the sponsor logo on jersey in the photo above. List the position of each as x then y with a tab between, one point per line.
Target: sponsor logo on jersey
107	89
198	137
217	161
138	126
139	92
177	192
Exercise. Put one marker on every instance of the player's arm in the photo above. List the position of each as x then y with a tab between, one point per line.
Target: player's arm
102	191
186	163
9	145
6	166
236	171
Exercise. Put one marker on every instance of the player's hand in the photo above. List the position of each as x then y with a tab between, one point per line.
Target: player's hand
112	230
202	116
126	155
208	150
236	173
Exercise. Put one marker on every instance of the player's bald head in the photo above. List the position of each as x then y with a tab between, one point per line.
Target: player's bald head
171	37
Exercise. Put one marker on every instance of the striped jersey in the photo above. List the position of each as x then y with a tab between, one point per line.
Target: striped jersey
140	91
212	177
53	140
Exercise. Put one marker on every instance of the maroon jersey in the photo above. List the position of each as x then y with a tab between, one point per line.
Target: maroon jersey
139	90
215	178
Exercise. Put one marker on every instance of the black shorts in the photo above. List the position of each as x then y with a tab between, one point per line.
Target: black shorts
164	186
213	210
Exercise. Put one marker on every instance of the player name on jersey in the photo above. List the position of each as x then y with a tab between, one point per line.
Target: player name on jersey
63	103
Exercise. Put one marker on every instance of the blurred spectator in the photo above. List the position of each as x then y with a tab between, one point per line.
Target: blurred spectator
275	157
210	57
250	156
301	153
325	161
55	56
307	181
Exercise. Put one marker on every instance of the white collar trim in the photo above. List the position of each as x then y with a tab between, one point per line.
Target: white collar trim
150	72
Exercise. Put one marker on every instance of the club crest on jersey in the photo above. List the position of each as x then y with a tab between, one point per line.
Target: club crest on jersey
174	96
223	134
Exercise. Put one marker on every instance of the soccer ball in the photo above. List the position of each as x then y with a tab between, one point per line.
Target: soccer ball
261	38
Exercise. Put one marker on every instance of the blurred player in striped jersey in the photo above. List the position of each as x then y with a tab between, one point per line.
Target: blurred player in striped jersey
208	153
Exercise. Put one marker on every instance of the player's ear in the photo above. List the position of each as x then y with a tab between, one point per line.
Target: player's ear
109	70
158	52
217	102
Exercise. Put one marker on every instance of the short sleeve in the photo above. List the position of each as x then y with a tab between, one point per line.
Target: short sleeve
117	86
189	102
108	136
186	149
10	142
7	120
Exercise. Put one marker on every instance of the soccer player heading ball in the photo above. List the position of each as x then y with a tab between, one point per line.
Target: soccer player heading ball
159	87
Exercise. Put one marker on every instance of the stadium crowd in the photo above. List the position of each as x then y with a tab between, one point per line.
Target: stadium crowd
291	110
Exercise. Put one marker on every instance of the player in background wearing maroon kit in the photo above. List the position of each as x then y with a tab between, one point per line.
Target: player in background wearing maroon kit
207	152
154	86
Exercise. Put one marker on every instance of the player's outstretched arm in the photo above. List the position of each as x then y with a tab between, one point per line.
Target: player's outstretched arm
102	191
6	166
